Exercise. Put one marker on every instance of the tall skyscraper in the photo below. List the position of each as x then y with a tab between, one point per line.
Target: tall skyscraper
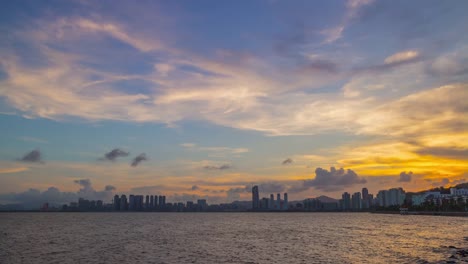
131	202
365	198
116	203
285	203
156	201
271	204
356	201
255	198
346	197
147	202
123	203
278	202
151	201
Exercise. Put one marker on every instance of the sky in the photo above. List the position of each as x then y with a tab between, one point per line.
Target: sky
203	99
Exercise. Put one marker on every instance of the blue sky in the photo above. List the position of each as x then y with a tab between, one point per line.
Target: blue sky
218	94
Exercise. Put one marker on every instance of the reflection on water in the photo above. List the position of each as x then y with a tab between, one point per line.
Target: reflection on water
227	237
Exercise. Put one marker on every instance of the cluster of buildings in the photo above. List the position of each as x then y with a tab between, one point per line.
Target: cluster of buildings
269	204
394	198
438	199
150	203
138	202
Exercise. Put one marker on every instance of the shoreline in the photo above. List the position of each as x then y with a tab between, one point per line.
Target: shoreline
456	214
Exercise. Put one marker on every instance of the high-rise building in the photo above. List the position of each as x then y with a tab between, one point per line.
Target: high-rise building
156	201
285	203
346	204
255	198
116	203
365	198
190	206
278	202
264	204
123	203
163	200
147	202
365	193
151	201
202	205
356	201
271	204
131	202
160	202
381	198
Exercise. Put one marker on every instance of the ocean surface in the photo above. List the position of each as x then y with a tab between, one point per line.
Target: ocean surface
227	237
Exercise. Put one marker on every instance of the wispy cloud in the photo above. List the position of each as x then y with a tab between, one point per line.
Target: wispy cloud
220	167
219	150
402	57
13	170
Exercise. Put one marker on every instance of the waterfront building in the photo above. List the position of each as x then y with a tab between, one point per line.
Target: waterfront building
271	204
264	204
131	202
346	201
458	192
147	202
365	204
311	204
202	205
123	203
381	198
190	206
116	203
285	202
356	201
278	201
160	202
151	201
255	198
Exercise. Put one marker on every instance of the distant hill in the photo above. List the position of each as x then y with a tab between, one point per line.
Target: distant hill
442	189
326	199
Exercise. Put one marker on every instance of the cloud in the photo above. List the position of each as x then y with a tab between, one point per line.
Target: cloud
109	188
219	151
85	183
33	198
271	187
113	30
405	177
13	170
287	161
33	156
448	152
139	159
435	111
114	154
221	167
195	187
451	64
332	180
403	56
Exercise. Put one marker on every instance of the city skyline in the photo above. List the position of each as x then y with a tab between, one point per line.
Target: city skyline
204	100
